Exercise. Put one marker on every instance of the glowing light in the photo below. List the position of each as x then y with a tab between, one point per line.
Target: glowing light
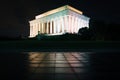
58	10
58	21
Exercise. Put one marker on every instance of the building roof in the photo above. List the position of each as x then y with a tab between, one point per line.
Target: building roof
58	10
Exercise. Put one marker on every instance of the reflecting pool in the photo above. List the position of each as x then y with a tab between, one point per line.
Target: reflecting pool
59	65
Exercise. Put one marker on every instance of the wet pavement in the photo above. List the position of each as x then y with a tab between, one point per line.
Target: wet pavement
59	66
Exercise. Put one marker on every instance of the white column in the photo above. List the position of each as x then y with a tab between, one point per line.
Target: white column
78	25
31	32
50	26
66	23
62	22
36	28
88	23
33	29
47	28
58	25
67	20
72	23
54	25
69	26
42	27
75	25
80	22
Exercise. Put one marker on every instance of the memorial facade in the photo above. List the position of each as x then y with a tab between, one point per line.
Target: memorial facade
65	19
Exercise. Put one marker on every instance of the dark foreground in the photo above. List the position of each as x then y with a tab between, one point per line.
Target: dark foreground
59	66
37	45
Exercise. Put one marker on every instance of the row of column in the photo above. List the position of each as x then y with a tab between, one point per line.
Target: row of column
67	23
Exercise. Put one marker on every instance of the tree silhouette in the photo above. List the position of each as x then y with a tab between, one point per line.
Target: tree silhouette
85	33
98	29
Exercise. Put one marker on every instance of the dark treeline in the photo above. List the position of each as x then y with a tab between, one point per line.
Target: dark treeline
101	30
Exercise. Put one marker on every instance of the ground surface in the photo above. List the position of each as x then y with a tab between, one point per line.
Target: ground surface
59	66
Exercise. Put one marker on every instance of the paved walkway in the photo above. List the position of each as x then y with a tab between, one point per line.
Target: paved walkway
58	66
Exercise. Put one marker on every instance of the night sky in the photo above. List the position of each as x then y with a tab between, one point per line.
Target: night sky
14	15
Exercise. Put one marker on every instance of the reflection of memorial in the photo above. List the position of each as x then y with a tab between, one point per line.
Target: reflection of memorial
58	21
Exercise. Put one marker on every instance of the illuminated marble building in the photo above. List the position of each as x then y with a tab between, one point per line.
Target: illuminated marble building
65	19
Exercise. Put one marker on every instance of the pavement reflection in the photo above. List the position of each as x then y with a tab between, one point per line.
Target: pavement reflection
58	65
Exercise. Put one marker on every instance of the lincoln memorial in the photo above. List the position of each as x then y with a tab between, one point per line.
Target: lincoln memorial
65	19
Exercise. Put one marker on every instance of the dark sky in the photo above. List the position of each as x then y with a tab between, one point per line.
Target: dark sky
14	15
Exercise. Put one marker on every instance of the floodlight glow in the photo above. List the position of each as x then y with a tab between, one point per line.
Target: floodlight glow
58	21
